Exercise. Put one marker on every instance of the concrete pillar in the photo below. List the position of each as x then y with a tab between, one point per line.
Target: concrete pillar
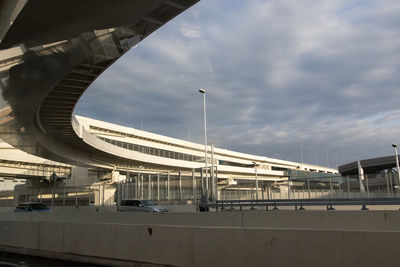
149	187
194	185
361	177
180	184
129	185
141	187
216	182
202	181
166	189
168	192
158	186
138	186
212	174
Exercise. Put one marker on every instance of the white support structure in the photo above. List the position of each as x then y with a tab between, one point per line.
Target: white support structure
361	177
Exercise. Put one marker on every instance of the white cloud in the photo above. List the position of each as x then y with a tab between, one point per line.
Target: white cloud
190	31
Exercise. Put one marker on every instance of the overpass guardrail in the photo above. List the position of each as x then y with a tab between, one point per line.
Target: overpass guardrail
298	204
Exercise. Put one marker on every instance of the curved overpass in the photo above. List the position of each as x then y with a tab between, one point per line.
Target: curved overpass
65	47
48	62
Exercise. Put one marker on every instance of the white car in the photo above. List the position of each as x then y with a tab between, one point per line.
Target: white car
140	205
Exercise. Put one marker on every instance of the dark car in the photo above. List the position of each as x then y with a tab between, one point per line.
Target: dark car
32	207
140	205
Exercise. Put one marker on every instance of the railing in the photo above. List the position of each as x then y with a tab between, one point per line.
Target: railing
298	204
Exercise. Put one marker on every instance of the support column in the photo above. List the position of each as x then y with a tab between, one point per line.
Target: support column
138	186
149	187
158	186
212	174
308	188
216	182
202	181
361	177
180	184
193	186
166	189
127	180
141	187
168	192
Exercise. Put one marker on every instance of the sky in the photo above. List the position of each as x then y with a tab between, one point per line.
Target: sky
307	81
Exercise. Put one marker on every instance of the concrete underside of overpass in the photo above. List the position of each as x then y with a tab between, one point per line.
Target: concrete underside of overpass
77	42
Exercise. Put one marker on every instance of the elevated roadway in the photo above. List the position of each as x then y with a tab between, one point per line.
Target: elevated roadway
63	47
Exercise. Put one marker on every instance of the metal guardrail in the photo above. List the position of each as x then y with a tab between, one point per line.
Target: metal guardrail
298	204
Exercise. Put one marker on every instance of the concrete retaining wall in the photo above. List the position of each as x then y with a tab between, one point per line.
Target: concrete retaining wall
204	246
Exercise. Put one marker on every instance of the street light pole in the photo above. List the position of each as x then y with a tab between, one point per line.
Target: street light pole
202	91
255	170
397	161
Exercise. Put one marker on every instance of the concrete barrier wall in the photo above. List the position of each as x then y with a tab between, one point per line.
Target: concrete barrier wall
357	220
205	246
361	220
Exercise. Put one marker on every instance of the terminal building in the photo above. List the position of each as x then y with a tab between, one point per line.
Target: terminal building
177	176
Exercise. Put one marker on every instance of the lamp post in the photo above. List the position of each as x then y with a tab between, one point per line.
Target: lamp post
203	92
397	161
255	170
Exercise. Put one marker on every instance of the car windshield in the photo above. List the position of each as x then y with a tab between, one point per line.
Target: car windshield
149	203
38	206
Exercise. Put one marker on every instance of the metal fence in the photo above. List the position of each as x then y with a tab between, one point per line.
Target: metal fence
189	188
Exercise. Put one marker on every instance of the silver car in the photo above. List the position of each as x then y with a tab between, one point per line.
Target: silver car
140	205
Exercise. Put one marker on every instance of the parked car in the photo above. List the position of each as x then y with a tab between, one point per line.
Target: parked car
140	205
32	207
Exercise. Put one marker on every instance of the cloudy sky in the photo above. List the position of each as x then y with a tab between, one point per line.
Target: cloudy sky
322	77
